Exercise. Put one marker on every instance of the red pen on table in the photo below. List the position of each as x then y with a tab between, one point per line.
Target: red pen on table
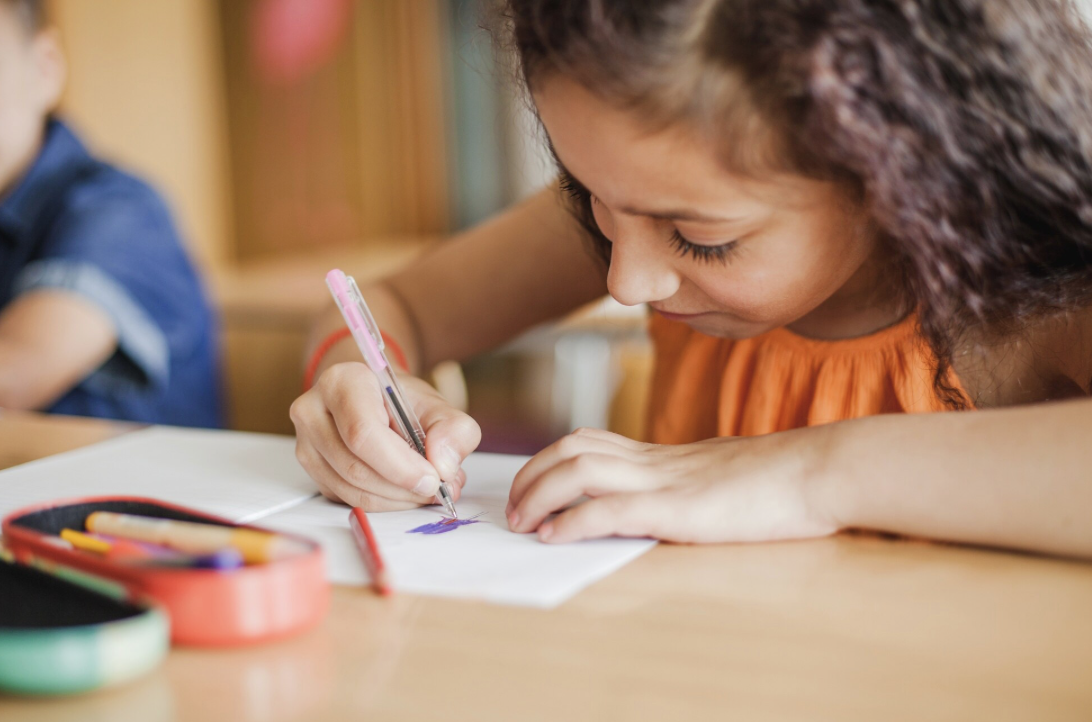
369	550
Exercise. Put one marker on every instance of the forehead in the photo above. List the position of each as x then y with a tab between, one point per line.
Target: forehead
623	161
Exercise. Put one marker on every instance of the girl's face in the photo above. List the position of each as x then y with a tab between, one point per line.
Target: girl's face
728	256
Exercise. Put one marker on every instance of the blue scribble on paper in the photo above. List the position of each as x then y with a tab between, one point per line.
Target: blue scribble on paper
443	526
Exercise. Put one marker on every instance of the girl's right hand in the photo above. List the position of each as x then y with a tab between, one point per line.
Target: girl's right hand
345	441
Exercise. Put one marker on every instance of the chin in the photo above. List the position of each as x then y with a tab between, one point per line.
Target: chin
733	328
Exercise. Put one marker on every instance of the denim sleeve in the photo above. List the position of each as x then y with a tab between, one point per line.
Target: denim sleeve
142	358
116	245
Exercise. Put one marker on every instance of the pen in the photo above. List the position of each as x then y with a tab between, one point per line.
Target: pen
370	341
369	551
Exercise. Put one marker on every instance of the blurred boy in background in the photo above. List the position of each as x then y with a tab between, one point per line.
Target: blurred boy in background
101	312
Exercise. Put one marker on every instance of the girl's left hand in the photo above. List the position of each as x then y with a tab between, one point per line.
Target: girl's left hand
728	489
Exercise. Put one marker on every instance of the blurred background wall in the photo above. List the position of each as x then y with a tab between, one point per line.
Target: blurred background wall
293	136
146	88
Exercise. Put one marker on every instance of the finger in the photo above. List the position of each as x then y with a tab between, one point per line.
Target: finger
460	479
591	432
581	441
354	472
313	424
588	474
358	473
319	443
450	435
334	487
353	398
626	515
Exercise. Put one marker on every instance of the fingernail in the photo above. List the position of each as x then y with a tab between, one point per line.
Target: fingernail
427	486
447	462
513	521
545	532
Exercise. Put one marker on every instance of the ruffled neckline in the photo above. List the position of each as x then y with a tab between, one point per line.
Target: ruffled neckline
894	336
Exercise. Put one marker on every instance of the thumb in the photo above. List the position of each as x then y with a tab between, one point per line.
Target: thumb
450	436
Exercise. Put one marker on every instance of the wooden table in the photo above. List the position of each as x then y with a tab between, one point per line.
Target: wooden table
838	629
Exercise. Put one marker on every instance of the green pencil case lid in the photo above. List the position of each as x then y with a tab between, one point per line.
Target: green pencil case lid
64	632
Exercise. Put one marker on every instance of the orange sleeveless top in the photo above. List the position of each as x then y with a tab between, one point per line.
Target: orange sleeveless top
705	387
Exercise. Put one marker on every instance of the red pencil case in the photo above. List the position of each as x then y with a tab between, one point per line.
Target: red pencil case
207	607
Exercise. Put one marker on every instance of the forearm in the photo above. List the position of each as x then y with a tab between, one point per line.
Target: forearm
49	342
26	384
15	393
1014	478
391	315
481	288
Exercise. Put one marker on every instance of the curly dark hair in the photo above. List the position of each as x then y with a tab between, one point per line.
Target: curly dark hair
964	125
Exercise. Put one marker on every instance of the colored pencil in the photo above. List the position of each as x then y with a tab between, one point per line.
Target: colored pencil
226	558
255	546
116	549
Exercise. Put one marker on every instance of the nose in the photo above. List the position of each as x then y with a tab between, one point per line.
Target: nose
641	270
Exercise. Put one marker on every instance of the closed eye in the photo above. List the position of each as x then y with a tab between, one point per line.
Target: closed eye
707	254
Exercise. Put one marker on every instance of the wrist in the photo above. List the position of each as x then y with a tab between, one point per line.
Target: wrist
335	347
827	484
411	349
394	352
319	355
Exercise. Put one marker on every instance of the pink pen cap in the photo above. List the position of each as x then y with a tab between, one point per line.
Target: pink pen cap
358	318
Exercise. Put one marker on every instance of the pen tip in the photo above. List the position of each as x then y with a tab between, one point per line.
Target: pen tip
445	496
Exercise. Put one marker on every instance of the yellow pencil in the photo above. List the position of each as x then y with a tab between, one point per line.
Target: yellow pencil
85	542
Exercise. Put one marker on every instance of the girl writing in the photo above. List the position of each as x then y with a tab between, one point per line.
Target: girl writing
835	210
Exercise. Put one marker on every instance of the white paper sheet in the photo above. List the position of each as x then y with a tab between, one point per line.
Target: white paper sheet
232	474
481	561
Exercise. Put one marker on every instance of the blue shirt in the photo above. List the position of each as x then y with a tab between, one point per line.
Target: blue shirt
75	223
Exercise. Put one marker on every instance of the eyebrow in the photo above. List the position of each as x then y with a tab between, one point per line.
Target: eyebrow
675	214
679	214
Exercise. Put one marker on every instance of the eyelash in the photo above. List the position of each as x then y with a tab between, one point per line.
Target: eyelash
573	189
684	247
704	254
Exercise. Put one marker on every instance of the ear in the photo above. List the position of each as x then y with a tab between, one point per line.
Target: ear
51	69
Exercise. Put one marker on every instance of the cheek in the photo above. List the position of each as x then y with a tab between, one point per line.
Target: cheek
780	277
743	292
18	117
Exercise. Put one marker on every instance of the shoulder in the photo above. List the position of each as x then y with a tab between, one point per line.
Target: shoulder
104	190
1048	359
111	217
86	186
1068	348
113	237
